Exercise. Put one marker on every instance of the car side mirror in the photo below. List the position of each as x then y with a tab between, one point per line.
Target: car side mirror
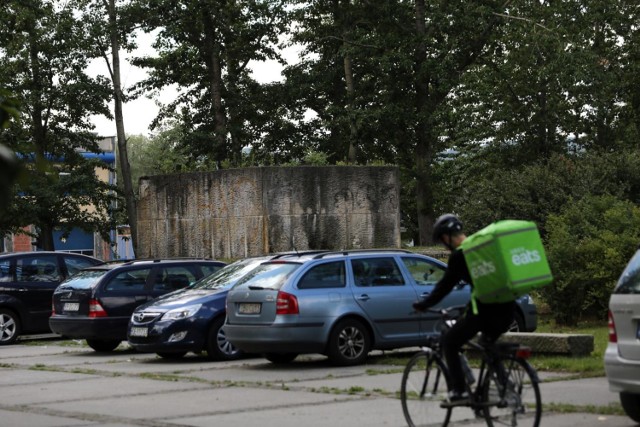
461	285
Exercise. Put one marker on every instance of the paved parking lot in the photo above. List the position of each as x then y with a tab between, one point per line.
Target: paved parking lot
48	384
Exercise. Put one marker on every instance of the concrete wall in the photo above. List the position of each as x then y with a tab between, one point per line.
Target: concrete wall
236	213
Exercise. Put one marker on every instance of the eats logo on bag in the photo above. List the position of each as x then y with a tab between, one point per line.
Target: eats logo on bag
481	269
521	256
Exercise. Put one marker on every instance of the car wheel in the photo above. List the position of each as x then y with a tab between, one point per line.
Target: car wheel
172	355
10	327
103	346
631	405
349	343
280	358
518	323
218	348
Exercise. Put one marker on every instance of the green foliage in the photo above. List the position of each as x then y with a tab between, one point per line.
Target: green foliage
588	244
43	65
315	158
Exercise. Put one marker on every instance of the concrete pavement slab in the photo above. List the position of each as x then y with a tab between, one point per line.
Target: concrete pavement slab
593	391
22	419
368	412
101	388
202	402
14	377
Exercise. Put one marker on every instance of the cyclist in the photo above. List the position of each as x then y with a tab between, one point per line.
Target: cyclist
491	319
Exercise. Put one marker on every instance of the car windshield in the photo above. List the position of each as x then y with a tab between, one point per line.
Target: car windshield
227	275
267	276
629	282
85	279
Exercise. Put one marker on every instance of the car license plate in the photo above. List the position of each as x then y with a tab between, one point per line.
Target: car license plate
71	306
247	308
138	332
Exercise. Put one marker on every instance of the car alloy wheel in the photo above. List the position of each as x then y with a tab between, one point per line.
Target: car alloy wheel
349	343
218	347
9	327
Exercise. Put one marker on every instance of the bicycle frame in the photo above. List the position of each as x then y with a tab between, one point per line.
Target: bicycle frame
504	383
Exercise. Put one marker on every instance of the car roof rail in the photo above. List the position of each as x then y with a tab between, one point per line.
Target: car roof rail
131	261
361	251
300	253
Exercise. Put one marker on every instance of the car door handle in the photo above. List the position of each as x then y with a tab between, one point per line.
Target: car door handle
364	297
425	294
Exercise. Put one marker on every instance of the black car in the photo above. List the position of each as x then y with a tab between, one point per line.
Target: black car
96	303
190	320
27	282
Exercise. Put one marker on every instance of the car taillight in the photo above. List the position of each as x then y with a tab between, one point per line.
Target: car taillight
53	308
613	336
95	309
286	303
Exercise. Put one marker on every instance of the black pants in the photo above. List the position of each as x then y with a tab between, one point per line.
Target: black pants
492	320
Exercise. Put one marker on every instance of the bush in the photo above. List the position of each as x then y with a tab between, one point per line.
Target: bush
588	244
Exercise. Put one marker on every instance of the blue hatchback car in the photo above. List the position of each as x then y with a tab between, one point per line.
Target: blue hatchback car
190	319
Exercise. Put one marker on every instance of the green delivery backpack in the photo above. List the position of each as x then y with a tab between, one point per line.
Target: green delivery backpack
506	260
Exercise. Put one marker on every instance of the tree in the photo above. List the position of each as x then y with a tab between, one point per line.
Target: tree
407	57
43	66
205	48
8	162
590	242
98	15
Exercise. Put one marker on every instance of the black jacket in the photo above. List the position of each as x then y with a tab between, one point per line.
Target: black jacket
457	272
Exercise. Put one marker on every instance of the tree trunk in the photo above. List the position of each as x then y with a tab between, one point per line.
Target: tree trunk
353	130
45	233
212	60
345	23
123	157
423	134
235	121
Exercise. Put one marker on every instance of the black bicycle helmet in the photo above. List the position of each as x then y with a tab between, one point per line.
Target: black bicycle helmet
446	224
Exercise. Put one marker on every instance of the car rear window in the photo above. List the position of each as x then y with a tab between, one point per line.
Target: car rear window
267	276
629	282
86	279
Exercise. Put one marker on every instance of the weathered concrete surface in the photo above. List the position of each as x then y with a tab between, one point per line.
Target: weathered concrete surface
54	385
573	344
243	212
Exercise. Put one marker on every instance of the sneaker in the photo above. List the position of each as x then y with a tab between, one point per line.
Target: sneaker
456	398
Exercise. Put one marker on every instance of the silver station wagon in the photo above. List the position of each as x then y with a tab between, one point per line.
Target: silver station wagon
341	304
622	357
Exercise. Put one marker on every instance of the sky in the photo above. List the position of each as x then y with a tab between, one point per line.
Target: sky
139	113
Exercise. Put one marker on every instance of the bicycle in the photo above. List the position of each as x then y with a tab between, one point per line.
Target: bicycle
506	392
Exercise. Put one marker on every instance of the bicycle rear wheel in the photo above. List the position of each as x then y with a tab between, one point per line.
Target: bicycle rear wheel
423	389
517	405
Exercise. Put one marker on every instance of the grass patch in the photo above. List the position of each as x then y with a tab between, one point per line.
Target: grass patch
58	343
580	367
585	366
565	408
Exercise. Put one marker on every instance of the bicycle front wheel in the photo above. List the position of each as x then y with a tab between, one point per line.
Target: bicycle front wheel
512	395
423	389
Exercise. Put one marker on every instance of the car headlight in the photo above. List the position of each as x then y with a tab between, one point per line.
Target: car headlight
182	312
